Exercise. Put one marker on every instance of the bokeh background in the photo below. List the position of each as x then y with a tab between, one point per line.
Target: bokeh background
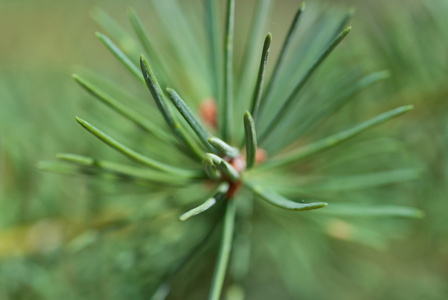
76	238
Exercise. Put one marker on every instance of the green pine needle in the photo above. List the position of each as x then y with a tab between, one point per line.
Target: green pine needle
191	119
144	40
219	195
210	169
212	19
287	104
167	114
157	94
334	140
134	155
251	140
224	251
223	147
365	210
284	50
226	108
260	79
120	55
141	33
122	109
123	170
336	102
343	23
277	200
225	167
73	170
256	33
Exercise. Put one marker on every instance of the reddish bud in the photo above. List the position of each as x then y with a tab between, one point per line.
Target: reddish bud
209	112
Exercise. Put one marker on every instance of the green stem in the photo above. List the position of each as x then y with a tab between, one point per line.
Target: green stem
224	251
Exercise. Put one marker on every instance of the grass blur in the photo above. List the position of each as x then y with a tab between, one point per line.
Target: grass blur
80	238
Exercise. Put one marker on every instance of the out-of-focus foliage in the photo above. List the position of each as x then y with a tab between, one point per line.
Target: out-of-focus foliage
78	238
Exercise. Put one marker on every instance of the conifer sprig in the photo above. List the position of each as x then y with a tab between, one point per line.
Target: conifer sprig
219	162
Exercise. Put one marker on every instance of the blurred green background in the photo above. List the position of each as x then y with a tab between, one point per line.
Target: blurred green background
78	238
